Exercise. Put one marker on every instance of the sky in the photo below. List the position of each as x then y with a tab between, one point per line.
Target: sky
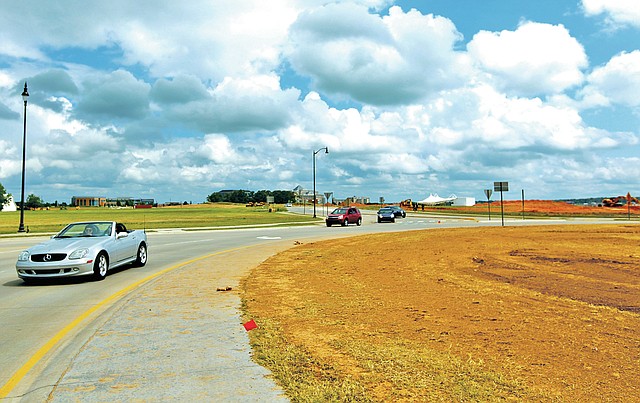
176	100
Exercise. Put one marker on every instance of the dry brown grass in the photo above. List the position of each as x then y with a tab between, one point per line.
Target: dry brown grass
531	313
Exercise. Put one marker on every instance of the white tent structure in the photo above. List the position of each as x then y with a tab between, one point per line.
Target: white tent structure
435	200
10	205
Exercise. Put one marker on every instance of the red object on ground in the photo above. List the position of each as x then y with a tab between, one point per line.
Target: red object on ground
250	325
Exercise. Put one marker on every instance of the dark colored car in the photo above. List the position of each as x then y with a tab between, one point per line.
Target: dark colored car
386	214
397	211
344	216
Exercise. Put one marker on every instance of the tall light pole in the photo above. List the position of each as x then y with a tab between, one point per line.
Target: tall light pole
326	151
25	96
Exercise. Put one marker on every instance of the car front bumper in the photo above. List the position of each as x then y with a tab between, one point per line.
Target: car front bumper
334	220
386	218
64	268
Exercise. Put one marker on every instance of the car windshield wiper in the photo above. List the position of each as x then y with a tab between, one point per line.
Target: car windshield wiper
62	236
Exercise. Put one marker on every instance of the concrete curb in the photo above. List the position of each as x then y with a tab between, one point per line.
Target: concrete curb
175	339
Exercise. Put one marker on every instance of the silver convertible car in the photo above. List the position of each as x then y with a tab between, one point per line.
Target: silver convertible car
84	248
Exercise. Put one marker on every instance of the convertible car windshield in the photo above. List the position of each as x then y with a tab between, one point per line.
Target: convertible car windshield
86	229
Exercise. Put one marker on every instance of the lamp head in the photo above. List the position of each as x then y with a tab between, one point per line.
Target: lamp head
25	93
326	150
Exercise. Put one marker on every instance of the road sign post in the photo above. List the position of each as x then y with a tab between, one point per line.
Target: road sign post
501	187
488	193
327	195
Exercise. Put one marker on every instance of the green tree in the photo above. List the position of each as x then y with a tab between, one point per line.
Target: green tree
244	196
3	196
240	196
215	197
261	196
33	201
283	196
235	196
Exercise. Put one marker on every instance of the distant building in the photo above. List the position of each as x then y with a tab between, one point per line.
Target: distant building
97	201
358	200
129	201
88	201
464	201
299	191
306	196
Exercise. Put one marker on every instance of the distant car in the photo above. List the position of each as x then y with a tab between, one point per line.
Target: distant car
84	249
397	211
344	216
288	205
386	214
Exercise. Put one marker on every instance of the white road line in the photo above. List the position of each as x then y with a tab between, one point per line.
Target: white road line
185	242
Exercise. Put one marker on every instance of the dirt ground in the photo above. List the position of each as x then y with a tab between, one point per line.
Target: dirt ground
551	312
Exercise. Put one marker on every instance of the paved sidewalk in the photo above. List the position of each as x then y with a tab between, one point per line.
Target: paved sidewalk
176	339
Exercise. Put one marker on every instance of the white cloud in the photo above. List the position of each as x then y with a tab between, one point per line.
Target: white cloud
618	12
534	59
531	124
178	90
396	59
617	82
8	166
114	96
207	39
236	105
81	147
218	149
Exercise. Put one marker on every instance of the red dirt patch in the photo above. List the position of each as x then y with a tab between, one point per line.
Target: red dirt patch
544	207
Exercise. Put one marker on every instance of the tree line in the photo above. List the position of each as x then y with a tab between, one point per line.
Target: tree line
246	196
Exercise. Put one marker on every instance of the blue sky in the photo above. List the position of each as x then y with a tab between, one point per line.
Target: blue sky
172	101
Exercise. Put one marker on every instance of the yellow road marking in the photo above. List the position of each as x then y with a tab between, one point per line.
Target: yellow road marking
28	366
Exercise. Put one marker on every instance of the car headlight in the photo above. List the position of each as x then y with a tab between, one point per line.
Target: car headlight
79	253
23	256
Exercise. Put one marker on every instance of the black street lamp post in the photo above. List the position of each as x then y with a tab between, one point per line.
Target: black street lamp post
25	96
326	151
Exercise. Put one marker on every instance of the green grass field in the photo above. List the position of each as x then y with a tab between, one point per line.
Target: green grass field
193	216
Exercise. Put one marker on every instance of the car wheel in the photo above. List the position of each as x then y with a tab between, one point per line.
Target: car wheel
100	266
328	224
379	221
393	219
141	257
404	215
345	222
359	222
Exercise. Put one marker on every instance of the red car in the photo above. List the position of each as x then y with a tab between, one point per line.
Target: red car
344	216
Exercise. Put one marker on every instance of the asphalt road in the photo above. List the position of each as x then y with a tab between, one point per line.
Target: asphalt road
31	316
